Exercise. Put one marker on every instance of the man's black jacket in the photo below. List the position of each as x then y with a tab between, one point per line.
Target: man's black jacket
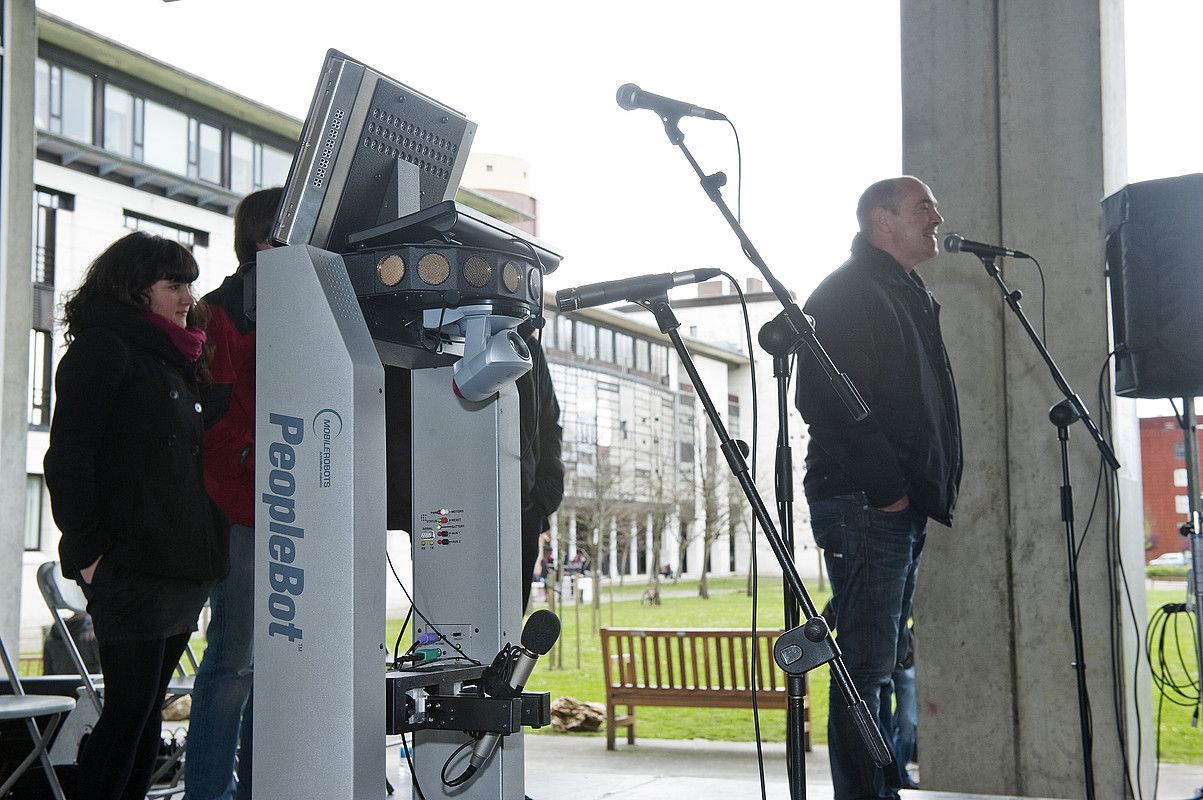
881	326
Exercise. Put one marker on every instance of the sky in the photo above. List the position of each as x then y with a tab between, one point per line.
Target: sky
616	198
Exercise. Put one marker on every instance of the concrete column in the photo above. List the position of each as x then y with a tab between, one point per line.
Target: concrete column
651	559
633	550
18	38
1013	112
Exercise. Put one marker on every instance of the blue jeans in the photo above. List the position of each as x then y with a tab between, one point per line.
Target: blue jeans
872	558
221	705
906	719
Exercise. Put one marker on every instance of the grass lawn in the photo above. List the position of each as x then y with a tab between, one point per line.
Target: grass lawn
579	671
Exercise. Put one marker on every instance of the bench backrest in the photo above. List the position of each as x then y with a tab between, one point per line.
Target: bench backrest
700	658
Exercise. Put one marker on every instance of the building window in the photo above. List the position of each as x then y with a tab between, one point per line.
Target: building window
643	361
1179	450
189	237
1180	477
586	340
605	345
1181	504
48	204
122	122
255	166
624	350
62	101
659	361
165	138
204	151
33	512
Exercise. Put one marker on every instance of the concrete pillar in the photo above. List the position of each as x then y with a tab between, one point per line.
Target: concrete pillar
18	40
633	550
650	558
1013	112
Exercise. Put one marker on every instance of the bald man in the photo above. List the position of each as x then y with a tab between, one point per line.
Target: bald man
873	485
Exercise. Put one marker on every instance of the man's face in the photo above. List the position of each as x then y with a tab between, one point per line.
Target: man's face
909	232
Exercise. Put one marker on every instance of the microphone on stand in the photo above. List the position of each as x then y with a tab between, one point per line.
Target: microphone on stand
507	676
631	97
956	243
639	288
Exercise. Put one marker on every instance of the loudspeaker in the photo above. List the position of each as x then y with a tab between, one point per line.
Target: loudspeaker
1154	233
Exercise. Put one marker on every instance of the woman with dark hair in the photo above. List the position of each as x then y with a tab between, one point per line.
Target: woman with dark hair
139	533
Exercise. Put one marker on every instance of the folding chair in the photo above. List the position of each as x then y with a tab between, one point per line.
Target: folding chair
28	707
62	594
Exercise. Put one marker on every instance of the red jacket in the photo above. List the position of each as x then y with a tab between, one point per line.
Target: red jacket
230	399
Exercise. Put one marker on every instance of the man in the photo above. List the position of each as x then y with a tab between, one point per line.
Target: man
872	485
221	697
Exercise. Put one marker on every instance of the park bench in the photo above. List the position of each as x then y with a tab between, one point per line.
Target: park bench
698	668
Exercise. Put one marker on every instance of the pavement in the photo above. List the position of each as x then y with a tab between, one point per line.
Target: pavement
567	767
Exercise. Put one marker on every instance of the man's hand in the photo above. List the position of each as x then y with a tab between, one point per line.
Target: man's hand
87	572
901	504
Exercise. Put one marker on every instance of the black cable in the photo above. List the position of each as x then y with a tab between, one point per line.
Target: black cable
743	303
414	607
468	772
413	775
1114	509
1043	302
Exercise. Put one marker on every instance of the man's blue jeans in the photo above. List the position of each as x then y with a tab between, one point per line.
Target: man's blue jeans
872	558
221	705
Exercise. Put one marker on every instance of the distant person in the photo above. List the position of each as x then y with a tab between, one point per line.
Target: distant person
140	534
222	701
56	653
872	485
542	469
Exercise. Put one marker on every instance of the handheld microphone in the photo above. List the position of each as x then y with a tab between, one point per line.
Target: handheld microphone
640	288
538	636
631	97
956	243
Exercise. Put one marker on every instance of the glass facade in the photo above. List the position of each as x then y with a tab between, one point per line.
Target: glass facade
152	132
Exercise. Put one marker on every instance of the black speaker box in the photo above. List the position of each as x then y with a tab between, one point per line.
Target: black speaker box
1154	235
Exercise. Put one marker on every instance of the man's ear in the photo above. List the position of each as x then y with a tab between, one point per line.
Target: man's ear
881	219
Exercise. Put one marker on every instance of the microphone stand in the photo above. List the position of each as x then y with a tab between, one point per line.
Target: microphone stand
775	339
1062	415
803	648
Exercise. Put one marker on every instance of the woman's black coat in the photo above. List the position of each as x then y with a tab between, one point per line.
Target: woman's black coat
124	463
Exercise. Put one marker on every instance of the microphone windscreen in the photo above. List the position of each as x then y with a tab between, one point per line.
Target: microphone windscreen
541	631
627	94
952	242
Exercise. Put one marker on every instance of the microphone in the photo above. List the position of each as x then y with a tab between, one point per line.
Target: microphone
631	97
538	635
956	243
640	288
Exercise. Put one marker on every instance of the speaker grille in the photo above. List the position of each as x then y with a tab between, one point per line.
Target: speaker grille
511	275
477	271
406	141
391	269
433	268
323	161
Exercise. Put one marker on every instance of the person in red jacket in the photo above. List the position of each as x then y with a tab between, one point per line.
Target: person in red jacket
221	698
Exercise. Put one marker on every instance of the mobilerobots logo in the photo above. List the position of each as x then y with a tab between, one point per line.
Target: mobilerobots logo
286	577
327	425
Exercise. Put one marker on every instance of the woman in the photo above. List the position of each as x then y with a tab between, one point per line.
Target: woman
140	534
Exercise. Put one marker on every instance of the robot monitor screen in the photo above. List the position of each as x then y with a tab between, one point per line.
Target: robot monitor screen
372	150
